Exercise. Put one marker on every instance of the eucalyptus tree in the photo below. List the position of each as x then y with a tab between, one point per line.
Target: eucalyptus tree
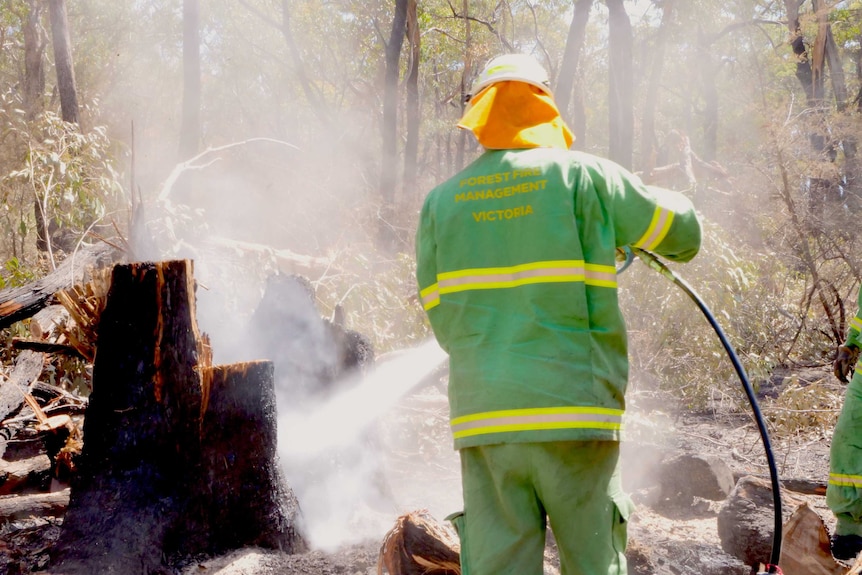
620	86
63	61
57	179
569	70
390	110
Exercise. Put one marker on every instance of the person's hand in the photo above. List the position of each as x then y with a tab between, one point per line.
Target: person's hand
845	360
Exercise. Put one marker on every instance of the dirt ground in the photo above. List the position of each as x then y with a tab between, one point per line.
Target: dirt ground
415	468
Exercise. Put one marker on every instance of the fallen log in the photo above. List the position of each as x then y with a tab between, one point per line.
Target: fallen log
16	507
33	473
44	323
151	479
803	486
419	545
22	302
28	367
805	545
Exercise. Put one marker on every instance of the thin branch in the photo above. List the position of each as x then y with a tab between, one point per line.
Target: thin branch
190	164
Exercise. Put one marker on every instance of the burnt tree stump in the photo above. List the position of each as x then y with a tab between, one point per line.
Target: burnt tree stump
153	486
248	501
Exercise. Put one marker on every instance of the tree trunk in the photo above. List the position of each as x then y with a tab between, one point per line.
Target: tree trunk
620	98
388	163
839	88
190	130
248	502
34	90
649	142
172	448
34	62
63	60
411	146
466	78
810	77
569	70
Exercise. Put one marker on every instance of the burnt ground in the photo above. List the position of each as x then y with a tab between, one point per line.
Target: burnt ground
417	469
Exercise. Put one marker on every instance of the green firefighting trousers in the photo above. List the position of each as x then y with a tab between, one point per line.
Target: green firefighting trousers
512	491
844	492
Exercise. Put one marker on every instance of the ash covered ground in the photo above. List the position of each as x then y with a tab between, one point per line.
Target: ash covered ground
412	467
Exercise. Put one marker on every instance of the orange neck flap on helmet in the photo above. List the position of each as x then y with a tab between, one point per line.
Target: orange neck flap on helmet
509	115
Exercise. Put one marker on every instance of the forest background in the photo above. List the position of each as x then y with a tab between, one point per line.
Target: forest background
254	135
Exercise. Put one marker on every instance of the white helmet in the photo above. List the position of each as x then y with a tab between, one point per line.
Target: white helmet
513	67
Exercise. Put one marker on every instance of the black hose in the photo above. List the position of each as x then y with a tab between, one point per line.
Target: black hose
653	262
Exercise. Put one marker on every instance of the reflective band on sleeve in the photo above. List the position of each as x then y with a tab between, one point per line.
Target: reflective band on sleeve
537	419
430	296
530	273
602	276
845	480
856	323
657	230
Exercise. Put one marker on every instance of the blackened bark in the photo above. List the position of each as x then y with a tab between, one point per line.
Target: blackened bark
244	499
152	480
25	301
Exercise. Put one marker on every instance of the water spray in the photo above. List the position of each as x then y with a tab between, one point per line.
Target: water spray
655	264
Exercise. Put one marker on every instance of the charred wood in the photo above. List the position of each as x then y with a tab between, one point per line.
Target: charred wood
28	367
25	301
33	474
144	496
245	500
14	507
46	347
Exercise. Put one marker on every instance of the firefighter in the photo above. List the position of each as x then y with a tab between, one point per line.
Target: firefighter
844	491
516	271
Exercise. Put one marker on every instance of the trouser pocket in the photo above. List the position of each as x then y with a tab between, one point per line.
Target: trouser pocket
457	520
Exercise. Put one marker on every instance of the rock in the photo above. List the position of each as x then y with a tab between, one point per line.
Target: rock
686	476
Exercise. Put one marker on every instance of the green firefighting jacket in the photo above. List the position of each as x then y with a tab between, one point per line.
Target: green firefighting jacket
516	270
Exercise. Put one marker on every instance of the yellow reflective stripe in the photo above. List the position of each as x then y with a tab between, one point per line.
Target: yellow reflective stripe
530	273
430	296
856	323
845	480
657	230
537	419
599	275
